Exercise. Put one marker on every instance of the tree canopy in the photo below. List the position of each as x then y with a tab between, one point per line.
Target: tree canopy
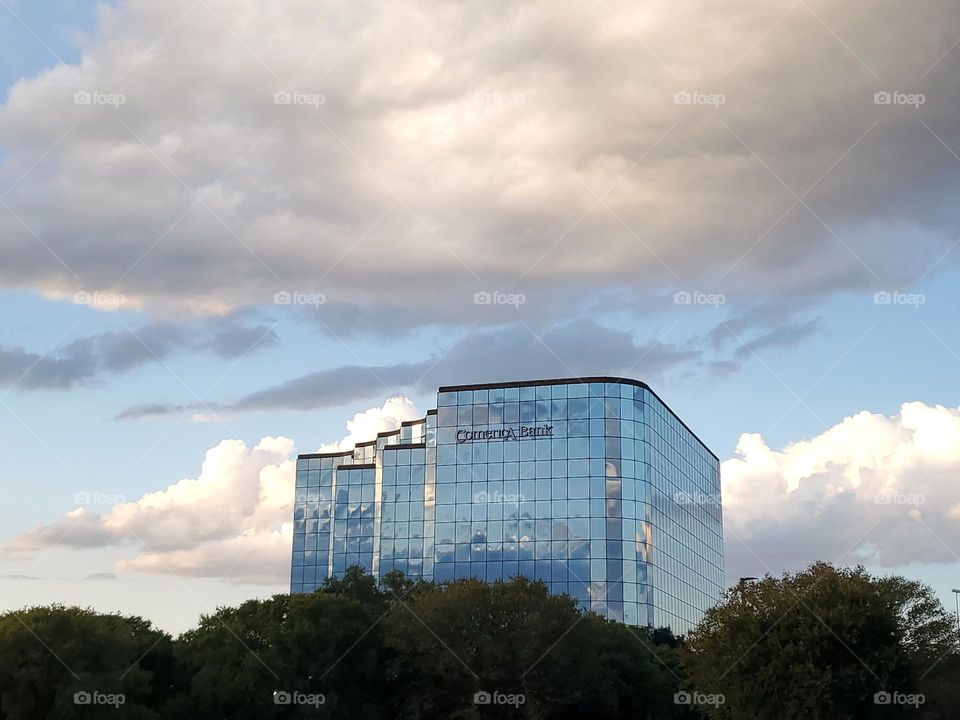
822	643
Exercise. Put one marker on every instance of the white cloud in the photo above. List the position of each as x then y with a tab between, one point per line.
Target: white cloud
479	138
365	425
234	520
254	556
873	488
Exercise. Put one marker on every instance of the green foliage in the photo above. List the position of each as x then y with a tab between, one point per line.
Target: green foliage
941	688
817	644
49	655
322	644
515	639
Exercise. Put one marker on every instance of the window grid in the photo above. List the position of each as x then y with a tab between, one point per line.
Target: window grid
618	505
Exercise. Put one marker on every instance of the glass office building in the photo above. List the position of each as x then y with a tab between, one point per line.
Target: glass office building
592	485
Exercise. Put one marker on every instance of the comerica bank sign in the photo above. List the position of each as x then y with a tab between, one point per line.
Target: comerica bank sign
505	433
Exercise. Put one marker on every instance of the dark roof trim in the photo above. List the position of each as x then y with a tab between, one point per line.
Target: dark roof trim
404	446
306	456
386	433
357	466
577	381
552	381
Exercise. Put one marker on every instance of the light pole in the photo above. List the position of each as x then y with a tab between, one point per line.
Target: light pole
956	596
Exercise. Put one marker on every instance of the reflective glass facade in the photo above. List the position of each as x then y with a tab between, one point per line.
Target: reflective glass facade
592	485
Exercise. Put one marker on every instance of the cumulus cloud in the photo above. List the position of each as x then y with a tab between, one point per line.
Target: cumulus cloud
253	556
873	488
399	159
365	425
232	521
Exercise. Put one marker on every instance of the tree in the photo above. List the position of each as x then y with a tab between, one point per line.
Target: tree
355	584
287	657
941	689
642	669
531	654
59	662
817	644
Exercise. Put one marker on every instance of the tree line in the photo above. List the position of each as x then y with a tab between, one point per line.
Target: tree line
825	643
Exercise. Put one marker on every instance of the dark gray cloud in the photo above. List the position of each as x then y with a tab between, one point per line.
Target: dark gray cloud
760	317
320	389
329	388
758	328
231	338
94	358
580	347
146	410
125	350
100	576
785	336
32	371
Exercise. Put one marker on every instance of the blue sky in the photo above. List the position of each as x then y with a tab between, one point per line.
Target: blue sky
432	169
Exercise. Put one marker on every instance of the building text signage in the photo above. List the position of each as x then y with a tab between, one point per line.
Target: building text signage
505	433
